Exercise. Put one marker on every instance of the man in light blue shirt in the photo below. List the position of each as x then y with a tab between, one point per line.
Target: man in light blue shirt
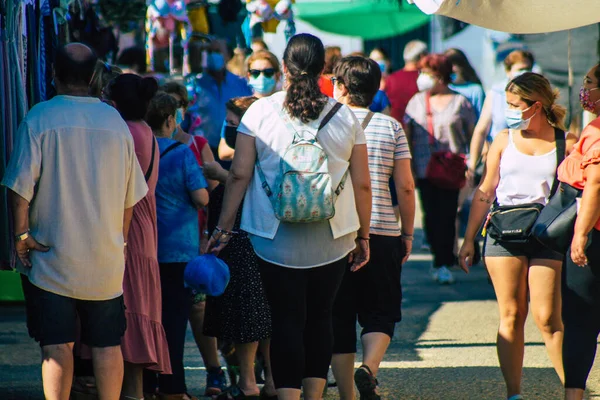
212	89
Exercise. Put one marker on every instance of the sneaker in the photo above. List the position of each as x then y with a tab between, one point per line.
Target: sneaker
444	276
216	382
516	397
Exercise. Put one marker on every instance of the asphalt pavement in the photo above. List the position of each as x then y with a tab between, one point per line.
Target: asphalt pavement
444	348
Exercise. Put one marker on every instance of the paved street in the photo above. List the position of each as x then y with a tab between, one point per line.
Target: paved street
443	349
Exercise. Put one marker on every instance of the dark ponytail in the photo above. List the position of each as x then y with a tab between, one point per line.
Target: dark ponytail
304	58
132	94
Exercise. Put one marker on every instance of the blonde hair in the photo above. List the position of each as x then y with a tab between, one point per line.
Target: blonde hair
264	55
531	88
103	74
518	56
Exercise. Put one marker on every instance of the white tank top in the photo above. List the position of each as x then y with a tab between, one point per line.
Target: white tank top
524	178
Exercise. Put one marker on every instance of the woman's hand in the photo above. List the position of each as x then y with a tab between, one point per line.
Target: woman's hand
218	240
360	256
408	244
466	254
578	250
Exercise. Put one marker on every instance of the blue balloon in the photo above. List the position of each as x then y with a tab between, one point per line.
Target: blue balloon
207	274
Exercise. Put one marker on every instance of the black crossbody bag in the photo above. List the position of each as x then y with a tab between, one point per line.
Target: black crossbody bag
514	224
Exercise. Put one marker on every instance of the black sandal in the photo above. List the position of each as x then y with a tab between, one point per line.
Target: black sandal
366	383
235	393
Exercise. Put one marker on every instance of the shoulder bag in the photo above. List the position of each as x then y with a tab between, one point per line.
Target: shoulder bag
514	224
445	168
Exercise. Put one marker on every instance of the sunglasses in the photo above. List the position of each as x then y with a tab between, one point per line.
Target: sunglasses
268	73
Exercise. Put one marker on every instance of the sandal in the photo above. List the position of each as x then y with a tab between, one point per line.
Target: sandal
366	383
235	393
84	388
265	396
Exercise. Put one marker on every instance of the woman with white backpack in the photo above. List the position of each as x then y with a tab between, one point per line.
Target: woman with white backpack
303	159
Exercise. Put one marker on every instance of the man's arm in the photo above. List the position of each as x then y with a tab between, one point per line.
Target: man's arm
127	215
26	243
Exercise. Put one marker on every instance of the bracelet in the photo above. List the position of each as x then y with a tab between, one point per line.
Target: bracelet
363	238
22	236
407	237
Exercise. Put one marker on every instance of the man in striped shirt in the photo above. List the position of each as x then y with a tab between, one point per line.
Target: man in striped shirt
373	294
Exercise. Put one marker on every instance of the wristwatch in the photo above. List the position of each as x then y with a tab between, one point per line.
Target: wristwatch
23	236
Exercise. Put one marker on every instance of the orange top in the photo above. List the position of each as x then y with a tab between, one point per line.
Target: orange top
585	152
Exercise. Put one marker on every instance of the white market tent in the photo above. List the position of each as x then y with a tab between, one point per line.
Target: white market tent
517	16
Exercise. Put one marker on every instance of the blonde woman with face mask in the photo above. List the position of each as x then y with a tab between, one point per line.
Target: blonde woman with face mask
520	177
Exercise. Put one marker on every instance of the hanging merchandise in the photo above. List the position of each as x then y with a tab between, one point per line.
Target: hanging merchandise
198	16
87	26
229	10
265	15
166	21
124	14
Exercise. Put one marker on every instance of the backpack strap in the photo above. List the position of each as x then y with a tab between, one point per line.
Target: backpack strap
561	149
367	119
151	167
170	148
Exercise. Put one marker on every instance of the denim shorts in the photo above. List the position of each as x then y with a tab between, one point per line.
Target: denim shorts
531	250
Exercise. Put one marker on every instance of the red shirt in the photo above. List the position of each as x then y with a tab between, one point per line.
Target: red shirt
326	86
400	87
198	143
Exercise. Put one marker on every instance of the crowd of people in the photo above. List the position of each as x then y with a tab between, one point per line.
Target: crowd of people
302	175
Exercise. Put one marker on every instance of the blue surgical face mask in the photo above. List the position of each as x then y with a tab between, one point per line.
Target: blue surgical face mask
263	85
453	77
382	67
514	119
178	121
215	62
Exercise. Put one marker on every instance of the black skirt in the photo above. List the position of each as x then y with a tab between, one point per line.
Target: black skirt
241	314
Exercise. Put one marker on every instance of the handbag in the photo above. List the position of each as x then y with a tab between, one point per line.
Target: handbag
515	224
554	227
445	169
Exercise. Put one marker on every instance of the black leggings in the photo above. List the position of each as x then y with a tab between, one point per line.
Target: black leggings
440	208
301	303
176	306
581	315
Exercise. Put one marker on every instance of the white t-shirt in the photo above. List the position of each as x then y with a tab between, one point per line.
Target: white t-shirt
74	161
300	245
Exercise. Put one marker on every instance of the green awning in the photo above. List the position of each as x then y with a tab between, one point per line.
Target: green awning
367	19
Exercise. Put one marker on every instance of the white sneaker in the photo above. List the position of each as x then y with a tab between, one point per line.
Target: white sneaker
444	276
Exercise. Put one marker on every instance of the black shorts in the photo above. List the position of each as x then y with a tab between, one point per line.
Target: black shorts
53	319
532	250
373	295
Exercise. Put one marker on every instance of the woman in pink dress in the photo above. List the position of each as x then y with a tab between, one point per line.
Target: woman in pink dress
144	344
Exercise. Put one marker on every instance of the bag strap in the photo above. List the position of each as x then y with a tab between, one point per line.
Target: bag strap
170	148
367	119
329	115
290	126
430	128
151	167
561	149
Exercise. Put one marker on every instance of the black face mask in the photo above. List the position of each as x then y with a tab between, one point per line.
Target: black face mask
230	135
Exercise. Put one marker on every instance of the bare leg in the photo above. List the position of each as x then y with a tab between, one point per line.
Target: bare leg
288	394
574	394
57	371
265	348
509	276
375	345
246	353
342	366
133	381
207	345
544	292
108	369
313	388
